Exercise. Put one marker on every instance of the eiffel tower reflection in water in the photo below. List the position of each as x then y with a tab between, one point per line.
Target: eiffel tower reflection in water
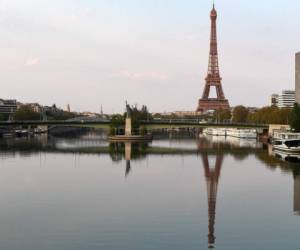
212	162
212	176
210	152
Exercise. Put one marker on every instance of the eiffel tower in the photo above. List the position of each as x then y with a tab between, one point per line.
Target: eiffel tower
213	78
212	176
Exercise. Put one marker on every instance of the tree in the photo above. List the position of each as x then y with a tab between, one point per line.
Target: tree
222	115
240	114
117	121
26	113
270	115
282	116
62	115
137	116
295	118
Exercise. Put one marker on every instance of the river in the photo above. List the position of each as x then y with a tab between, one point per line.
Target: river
178	192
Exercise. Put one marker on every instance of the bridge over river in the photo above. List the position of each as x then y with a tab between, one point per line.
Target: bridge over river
152	124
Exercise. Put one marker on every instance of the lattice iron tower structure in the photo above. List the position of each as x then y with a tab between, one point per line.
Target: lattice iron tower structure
213	78
212	176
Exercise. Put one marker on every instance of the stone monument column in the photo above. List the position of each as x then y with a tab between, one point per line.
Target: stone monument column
128	127
128	123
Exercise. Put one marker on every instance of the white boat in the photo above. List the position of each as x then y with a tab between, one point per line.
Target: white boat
242	133
287	142
21	132
208	131
280	135
215	131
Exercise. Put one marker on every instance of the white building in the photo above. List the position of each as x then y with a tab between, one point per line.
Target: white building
286	99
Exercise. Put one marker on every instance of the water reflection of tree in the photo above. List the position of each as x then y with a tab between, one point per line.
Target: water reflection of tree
25	146
296	176
292	168
273	163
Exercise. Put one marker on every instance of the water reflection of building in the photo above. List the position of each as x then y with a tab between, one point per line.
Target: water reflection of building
212	176
297	194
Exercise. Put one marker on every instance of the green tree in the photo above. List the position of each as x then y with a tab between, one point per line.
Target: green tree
240	114
143	130
117	121
222	115
58	116
137	115
270	115
295	118
26	113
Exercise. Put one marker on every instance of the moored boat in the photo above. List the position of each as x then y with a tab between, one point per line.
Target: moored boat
242	133
215	131
287	142
21	132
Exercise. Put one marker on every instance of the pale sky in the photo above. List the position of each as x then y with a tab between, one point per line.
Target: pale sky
89	53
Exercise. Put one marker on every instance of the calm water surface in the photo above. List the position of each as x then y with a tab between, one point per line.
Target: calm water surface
175	193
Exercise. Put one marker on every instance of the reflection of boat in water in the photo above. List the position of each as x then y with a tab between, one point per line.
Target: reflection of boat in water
234	132
286	156
243	142
7	135
233	141
218	139
289	145
287	142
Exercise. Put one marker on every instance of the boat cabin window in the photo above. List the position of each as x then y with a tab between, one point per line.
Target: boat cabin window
278	143
293	144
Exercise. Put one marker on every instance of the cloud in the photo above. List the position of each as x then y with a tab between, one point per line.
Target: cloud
32	61
143	75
